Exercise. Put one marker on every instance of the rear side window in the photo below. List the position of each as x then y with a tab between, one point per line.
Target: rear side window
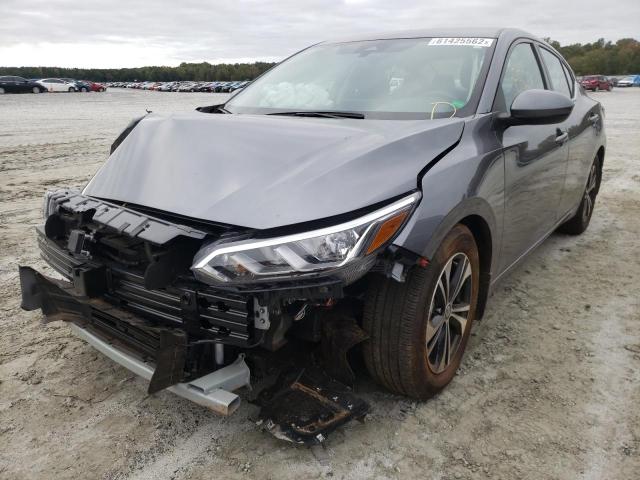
521	73
570	78
556	72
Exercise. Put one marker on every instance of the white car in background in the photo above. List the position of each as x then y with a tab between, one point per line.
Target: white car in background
57	85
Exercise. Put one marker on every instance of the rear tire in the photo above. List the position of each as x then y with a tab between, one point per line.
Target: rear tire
580	221
1	90
35	90
71	89
411	324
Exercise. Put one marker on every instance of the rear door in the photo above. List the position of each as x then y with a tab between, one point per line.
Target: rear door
535	160
583	126
22	85
55	85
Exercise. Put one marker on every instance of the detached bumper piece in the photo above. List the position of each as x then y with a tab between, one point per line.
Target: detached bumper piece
157	354
305	405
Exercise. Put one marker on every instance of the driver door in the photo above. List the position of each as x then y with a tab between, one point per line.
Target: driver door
535	161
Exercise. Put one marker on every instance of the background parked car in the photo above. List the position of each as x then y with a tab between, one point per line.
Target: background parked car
96	87
10	84
82	86
597	82
630	81
57	85
76	84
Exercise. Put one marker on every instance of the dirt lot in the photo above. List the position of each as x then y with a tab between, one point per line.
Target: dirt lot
550	386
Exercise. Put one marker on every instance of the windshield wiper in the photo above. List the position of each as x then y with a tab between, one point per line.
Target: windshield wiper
323	114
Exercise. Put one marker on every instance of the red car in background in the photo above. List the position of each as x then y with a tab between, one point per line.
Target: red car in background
596	82
96	87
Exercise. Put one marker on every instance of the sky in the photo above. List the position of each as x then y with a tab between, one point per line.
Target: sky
132	33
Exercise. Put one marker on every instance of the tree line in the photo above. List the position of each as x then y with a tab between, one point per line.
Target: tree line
185	71
600	57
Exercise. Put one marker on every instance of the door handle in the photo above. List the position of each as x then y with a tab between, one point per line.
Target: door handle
593	118
562	136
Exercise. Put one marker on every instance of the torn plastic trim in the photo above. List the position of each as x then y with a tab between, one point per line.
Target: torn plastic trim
212	391
121	219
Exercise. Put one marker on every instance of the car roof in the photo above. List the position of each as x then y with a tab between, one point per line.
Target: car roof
473	32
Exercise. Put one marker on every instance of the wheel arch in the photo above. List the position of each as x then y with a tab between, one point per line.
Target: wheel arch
425	236
600	156
484	241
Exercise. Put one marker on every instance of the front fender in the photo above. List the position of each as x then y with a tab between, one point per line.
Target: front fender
467	182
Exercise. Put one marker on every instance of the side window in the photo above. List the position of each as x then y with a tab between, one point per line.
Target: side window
570	79
556	73
521	73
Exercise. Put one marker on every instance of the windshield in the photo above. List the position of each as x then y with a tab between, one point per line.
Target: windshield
400	78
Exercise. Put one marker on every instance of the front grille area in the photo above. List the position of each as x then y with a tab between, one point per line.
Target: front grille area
200	310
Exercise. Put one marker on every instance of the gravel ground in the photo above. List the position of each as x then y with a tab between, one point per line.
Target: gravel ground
549	388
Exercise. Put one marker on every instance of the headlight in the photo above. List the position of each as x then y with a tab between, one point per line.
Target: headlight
346	250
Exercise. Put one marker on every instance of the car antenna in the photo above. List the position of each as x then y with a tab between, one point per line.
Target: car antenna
147	110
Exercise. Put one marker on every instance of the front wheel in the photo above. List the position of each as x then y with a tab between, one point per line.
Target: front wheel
580	221
71	89
1	90
35	90
419	329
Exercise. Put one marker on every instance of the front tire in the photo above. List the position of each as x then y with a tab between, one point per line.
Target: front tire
419	329
580	221
71	90
1	90
35	90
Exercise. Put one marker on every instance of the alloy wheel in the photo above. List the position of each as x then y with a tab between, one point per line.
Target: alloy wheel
590	192
449	312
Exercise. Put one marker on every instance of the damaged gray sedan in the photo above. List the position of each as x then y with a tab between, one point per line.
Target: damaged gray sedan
358	201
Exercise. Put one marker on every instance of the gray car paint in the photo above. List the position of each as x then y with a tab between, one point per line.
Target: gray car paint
264	172
489	169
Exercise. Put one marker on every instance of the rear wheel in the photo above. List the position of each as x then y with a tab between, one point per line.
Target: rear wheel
71	89
580	221
83	89
35	90
1	90
419	329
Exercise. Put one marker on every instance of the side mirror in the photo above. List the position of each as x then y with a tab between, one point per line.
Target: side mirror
539	107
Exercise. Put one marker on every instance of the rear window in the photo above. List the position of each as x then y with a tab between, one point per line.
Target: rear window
556	72
570	78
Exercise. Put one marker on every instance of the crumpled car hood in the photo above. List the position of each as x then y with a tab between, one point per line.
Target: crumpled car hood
262	172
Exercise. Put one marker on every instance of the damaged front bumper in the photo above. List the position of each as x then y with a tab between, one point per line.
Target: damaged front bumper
125	294
97	323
